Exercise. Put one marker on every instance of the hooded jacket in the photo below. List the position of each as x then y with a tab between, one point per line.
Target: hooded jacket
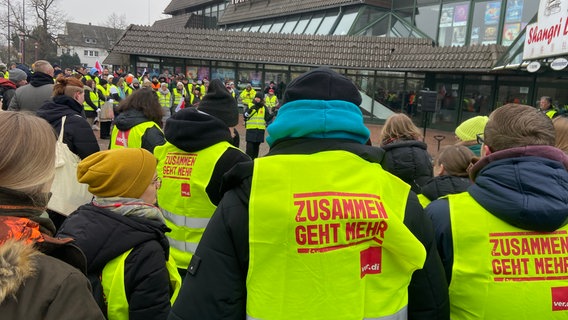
78	134
409	160
40	277
7	91
191	130
526	187
32	96
215	286
103	235
151	138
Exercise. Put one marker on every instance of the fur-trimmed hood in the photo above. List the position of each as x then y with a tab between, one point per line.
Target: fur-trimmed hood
17	263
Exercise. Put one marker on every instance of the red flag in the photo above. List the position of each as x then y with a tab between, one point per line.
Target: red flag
98	67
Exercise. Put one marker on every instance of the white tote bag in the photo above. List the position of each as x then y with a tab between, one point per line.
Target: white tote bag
67	193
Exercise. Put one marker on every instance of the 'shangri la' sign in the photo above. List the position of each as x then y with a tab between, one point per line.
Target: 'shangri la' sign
549	35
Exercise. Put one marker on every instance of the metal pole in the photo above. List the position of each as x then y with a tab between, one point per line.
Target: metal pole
24	31
9	37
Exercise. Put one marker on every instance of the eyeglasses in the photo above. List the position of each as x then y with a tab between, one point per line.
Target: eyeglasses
480	138
157	181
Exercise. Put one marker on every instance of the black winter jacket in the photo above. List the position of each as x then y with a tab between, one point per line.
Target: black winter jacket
443	185
151	138
104	235
78	134
409	160
215	286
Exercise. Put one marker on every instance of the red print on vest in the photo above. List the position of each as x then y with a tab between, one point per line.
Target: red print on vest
122	138
371	261
185	190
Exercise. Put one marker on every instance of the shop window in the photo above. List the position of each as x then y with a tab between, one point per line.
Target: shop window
453	24
512	94
477	100
485	23
517	14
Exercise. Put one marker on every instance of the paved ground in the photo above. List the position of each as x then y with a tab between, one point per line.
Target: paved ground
375	129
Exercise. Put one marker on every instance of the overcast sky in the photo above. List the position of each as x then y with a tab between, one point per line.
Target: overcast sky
141	12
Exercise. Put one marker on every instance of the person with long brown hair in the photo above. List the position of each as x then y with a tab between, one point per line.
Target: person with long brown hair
67	100
139	122
405	155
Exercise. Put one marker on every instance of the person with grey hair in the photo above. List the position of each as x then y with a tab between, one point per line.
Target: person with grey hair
31	97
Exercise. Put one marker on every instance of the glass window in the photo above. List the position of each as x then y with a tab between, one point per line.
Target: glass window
447	104
421	2
327	23
265	27
346	21
477	100
224	74
400	30
424	18
512	94
289	26
379	29
517	14
485	23
453	24
254	28
301	26
314	24
367	16
277	26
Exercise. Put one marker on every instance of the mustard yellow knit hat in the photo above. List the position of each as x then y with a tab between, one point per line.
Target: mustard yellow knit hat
118	172
469	129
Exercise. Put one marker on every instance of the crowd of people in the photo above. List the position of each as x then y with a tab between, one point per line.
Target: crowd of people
331	223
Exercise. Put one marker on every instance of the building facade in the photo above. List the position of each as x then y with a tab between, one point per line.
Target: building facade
469	52
91	43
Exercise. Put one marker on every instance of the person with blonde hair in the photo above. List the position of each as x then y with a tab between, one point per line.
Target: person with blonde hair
561	130
68	98
405	155
451	175
40	276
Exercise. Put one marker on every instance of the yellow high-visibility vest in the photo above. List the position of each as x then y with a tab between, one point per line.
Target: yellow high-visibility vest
131	138
112	281
503	272
328	242
182	196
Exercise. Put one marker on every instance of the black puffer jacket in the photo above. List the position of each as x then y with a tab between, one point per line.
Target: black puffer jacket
409	160
103	235
151	138
78	134
215	287
443	185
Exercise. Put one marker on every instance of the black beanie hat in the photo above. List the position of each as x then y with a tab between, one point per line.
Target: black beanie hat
219	103
322	84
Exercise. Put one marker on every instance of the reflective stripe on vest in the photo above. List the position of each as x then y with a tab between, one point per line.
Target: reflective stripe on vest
112	281
256	120
182	196
400	315
326	221
131	138
503	272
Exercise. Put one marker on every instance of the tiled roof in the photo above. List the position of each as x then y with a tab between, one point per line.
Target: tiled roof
177	5
256	9
356	52
75	35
